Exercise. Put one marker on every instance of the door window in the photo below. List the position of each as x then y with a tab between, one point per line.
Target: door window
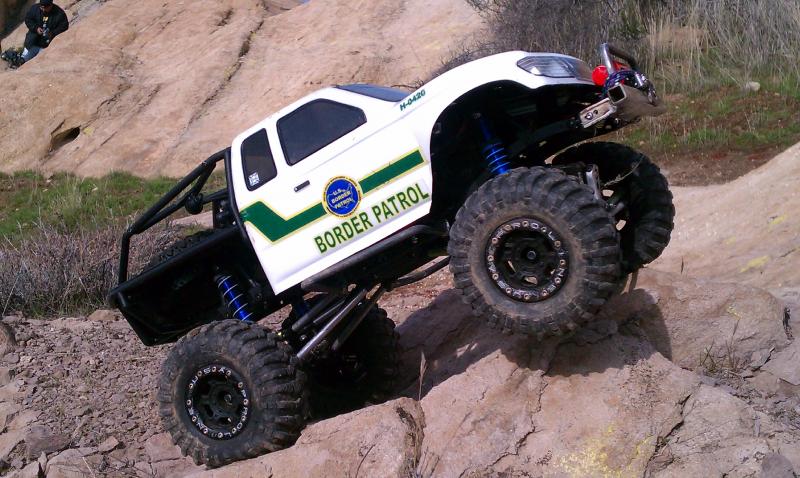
315	125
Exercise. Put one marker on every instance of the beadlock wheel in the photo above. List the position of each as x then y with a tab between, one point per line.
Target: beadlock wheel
230	390
533	252
527	260
218	402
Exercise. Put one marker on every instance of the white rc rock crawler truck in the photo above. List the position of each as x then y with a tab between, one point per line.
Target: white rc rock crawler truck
357	189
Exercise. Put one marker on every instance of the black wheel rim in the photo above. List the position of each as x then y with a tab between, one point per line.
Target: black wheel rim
527	260
218	402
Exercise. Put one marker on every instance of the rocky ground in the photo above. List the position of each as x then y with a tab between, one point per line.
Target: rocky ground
85	386
678	377
691	372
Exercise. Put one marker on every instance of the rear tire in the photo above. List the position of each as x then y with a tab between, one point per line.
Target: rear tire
649	215
178	247
229	391
533	252
362	372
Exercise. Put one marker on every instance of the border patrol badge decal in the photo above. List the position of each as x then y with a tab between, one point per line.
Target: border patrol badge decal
342	196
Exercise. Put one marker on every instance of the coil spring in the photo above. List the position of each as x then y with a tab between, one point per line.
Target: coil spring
494	152
234	300
496	158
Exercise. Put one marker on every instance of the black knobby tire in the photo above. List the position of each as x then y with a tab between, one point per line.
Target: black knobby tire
270	379
586	239
178	247
649	215
364	371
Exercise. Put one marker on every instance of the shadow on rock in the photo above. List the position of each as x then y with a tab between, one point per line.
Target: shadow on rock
450	340
638	310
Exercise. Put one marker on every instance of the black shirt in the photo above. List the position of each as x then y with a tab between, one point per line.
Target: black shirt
55	22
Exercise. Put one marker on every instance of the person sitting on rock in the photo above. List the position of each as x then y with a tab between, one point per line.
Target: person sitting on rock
45	21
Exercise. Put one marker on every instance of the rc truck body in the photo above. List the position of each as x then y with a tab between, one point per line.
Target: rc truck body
358	189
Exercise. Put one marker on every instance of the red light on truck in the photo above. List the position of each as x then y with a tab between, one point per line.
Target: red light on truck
600	75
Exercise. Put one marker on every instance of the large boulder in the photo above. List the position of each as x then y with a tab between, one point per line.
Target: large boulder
381	441
499	405
161	90
697	322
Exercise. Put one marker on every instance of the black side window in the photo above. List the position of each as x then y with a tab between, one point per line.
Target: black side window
315	125
257	162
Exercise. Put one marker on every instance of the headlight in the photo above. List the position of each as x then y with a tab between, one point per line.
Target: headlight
556	67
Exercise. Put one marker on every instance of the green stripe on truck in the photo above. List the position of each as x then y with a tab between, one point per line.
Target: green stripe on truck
391	172
274	227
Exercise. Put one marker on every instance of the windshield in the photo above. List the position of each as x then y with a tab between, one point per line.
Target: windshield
380	92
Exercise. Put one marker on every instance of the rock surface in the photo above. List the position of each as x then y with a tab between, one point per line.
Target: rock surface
175	81
745	231
721	436
160	448
604	402
786	364
700	322
542	409
382	440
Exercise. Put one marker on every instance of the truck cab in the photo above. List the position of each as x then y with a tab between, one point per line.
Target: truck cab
327	176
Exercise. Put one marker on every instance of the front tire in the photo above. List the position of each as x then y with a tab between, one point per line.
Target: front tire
229	391
533	252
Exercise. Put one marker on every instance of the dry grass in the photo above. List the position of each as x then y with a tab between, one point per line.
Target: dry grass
59	237
686	45
726	358
51	272
698	43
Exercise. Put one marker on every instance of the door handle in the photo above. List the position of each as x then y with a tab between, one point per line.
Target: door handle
302	185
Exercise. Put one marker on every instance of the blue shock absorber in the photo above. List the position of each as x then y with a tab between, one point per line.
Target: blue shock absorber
494	151
234	300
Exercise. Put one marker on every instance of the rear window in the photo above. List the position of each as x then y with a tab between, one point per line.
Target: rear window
257	161
315	125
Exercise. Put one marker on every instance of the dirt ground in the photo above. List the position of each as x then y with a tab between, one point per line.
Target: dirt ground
718	168
745	231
